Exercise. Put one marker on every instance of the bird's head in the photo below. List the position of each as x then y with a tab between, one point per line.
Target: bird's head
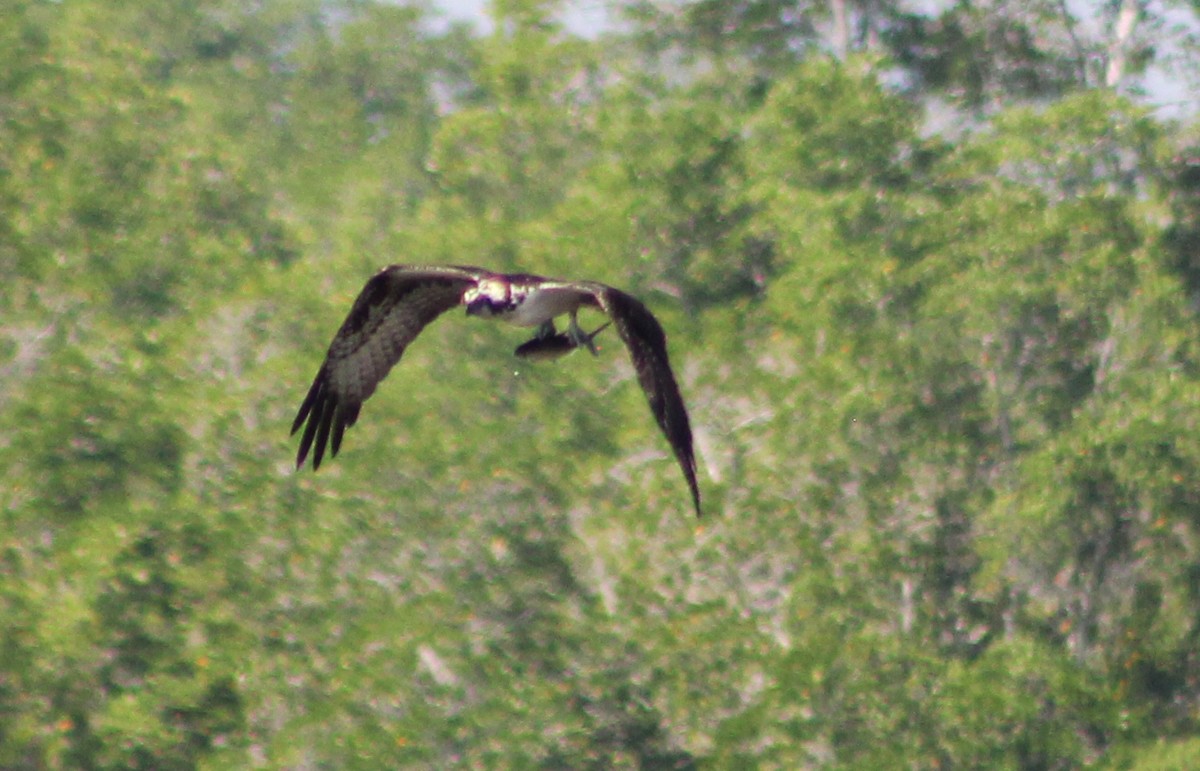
490	297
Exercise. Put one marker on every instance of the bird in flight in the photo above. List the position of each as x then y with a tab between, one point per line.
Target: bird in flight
400	300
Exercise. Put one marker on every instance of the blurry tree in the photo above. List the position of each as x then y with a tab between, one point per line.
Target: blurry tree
942	386
507	157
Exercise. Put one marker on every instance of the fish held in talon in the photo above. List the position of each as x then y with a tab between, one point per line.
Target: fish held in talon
555	346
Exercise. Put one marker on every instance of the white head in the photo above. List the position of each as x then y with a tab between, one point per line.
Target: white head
490	297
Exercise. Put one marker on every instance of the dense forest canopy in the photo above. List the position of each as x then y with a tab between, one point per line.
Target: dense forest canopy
930	274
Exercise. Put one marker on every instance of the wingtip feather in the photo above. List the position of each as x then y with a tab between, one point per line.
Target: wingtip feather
312	409
322	440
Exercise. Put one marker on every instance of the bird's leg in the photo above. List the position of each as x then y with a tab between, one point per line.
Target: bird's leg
545	330
579	337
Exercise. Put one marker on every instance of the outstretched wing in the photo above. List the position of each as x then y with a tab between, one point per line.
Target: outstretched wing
391	310
647	344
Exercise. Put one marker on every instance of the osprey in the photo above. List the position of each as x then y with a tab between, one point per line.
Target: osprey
400	300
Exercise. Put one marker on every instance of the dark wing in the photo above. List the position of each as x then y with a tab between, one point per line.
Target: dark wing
647	344
391	310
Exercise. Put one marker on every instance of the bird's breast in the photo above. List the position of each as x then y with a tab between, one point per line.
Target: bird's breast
533	306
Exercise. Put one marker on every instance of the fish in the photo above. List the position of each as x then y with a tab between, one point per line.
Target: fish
553	347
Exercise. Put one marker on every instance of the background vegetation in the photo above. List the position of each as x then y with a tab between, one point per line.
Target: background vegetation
931	273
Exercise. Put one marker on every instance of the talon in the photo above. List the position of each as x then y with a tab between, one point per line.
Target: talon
579	338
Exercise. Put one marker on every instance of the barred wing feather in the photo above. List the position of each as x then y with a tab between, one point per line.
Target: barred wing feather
389	313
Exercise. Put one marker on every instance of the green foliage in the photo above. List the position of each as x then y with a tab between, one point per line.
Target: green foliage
1166	756
943	386
100	445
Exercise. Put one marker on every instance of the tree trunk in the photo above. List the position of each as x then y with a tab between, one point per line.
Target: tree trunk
1122	29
